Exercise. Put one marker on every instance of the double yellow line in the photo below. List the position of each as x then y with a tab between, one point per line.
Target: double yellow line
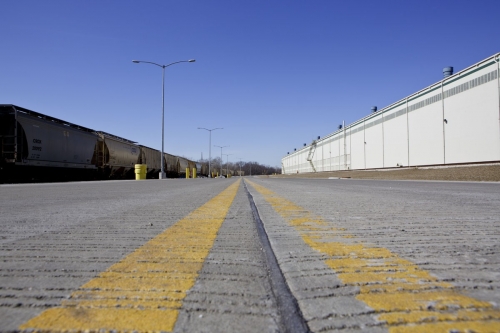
144	291
404	296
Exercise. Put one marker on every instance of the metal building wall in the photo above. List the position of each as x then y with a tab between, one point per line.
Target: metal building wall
374	143
329	147
472	118
425	133
357	147
396	137
456	120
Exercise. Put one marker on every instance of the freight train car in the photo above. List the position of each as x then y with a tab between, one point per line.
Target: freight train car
203	169
152	158
171	165
183	165
116	156
37	147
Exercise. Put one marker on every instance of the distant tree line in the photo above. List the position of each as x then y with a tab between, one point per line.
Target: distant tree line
249	168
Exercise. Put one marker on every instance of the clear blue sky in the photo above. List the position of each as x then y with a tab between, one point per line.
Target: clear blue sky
274	74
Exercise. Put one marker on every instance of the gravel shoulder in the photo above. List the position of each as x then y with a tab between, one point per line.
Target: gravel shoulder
481	173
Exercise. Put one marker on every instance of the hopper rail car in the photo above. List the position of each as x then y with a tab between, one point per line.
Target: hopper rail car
37	147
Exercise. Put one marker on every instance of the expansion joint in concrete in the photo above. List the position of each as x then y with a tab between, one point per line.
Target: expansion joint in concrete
291	319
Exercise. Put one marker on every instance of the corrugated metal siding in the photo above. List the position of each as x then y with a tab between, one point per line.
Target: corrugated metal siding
422	129
52	144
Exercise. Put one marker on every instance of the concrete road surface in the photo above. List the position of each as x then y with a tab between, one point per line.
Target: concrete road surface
259	255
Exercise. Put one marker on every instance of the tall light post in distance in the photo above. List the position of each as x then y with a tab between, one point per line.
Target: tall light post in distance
221	157
240	166
227	164
162	172
210	146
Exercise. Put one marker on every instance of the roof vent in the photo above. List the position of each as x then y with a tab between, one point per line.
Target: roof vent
294	149
447	71
304	144
318	137
288	153
374	109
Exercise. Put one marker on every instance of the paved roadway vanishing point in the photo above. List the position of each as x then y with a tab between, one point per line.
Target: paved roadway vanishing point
250	255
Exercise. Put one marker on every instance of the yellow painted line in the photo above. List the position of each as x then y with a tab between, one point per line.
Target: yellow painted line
144	291
407	298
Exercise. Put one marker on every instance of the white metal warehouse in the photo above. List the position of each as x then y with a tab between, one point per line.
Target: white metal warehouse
456	120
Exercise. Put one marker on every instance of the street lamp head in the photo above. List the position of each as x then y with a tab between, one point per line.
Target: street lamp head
135	61
191	60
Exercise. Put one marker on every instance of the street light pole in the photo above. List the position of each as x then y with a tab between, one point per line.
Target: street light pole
227	164
162	172
240	166
210	146
221	157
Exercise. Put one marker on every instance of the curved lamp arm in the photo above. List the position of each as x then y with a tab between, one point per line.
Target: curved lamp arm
162	66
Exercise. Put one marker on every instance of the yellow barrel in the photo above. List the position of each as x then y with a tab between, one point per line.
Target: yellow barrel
187	172
194	172
140	171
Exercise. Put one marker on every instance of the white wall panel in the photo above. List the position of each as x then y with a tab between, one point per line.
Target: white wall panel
348	147
301	161
335	153
319	156
374	143
472	128
286	164
305	166
298	161
326	154
342	152
331	153
426	134
395	139
357	149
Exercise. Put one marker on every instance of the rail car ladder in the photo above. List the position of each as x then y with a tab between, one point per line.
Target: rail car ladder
8	135
312	149
8	148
